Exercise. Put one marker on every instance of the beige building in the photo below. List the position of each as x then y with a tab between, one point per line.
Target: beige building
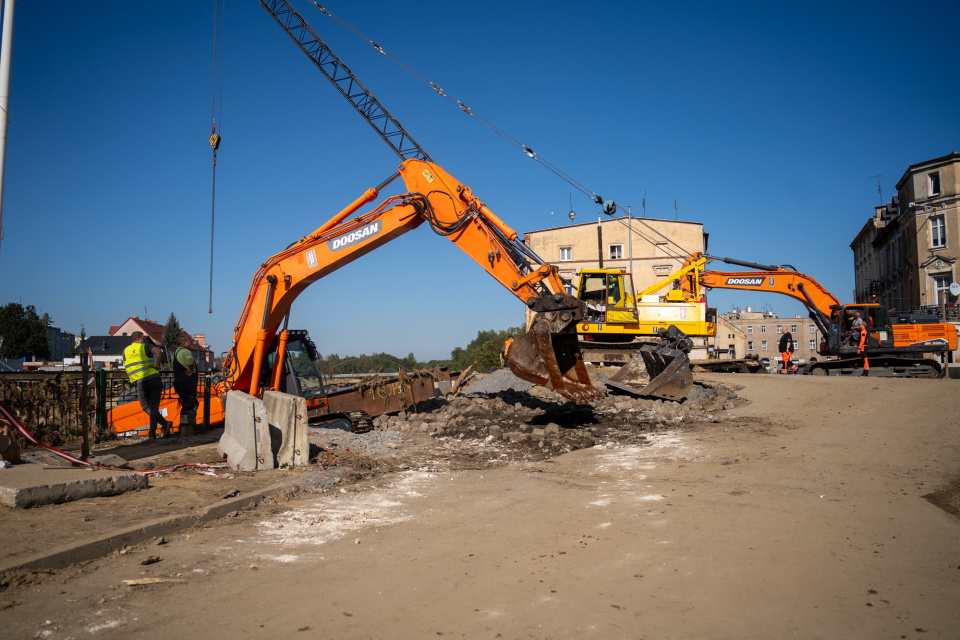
659	247
761	333
905	254
730	342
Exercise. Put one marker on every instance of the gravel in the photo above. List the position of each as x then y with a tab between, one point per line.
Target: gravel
497	381
368	444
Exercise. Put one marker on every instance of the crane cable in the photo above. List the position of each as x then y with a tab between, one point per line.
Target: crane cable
215	111
470	112
608	207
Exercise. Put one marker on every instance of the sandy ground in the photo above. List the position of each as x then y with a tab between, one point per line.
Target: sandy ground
824	508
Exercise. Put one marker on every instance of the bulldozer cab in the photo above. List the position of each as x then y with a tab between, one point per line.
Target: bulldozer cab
608	295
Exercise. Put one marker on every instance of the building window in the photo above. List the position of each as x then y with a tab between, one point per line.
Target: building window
763	345
566	254
813	345
779	329
934	180
941	288
763	328
616	252
812	328
750	330
749	345
793	328
938	232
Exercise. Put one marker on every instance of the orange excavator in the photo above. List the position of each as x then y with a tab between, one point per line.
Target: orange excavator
546	355
897	344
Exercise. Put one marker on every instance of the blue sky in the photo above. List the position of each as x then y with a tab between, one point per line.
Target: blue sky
764	121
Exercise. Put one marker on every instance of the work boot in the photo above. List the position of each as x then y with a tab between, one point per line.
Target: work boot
166	428
186	428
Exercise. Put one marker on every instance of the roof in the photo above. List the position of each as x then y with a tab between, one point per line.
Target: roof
154	331
951	157
105	345
608	220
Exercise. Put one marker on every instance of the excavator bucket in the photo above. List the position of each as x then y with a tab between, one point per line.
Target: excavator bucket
548	354
661	371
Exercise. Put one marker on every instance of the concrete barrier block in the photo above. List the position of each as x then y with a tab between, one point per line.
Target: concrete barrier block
288	420
246	433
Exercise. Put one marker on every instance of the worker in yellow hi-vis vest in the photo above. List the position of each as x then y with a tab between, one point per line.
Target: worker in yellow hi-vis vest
142	363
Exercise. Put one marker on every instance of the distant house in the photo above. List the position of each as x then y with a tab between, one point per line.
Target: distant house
107	351
202	354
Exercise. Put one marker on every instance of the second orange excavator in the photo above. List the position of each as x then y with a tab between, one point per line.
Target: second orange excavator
897	344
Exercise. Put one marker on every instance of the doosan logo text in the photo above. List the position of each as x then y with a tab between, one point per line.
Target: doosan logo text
354	237
748	282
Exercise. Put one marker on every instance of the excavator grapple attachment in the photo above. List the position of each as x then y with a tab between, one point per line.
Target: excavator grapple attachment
548	354
661	371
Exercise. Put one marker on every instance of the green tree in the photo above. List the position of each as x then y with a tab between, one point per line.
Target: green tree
46	320
483	351
172	332
22	332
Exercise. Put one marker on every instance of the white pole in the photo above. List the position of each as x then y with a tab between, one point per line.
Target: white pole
6	54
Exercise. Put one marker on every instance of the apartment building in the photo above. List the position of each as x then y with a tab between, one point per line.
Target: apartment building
659	247
762	332
904	256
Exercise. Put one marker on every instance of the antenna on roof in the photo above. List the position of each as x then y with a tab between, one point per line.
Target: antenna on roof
879	190
145	312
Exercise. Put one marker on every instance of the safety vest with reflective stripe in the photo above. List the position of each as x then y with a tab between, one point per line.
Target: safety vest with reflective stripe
137	362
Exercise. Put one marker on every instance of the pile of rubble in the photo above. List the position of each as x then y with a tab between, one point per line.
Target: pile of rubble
500	409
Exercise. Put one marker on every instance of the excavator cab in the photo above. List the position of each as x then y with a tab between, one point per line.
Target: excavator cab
844	338
609	296
301	374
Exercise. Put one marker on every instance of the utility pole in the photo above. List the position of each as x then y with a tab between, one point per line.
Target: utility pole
6	53
630	239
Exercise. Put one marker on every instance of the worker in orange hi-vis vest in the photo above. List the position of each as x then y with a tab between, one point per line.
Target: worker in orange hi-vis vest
861	347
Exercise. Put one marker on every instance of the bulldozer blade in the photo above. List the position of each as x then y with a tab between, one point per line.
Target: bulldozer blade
552	361
658	372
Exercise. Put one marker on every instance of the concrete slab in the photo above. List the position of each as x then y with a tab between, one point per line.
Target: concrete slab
287	416
245	442
32	485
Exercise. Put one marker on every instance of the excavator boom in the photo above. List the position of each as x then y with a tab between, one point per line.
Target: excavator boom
548	355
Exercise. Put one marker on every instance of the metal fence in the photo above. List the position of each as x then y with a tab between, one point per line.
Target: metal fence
51	406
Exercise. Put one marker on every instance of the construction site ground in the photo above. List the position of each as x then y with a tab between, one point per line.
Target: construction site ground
765	506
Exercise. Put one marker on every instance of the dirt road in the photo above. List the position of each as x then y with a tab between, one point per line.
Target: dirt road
825	508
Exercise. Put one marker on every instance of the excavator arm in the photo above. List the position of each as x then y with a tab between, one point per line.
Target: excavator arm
547	355
819	302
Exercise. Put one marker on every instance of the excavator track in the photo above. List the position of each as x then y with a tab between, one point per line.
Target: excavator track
880	368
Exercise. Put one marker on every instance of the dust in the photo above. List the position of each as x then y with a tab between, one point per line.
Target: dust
331	518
